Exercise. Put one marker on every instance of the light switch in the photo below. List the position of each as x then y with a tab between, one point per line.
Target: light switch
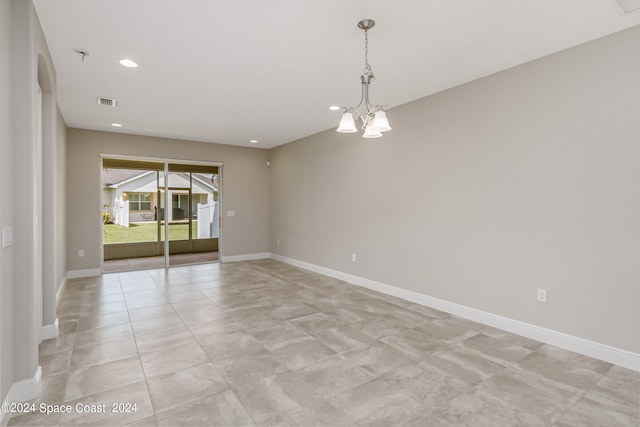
231	213
7	237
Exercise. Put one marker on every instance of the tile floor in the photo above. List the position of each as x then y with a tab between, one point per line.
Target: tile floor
264	343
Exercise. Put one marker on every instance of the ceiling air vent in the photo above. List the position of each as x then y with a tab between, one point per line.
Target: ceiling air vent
109	102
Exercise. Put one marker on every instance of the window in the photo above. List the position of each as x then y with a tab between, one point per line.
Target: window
181	201
139	201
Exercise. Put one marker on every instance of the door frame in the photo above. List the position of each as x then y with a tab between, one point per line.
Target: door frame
166	162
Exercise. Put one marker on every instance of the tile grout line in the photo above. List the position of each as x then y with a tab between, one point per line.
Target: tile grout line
146	382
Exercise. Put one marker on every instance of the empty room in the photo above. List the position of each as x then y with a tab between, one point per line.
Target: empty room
320	213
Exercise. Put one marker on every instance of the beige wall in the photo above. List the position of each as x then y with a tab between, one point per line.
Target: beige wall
28	165
27	297
6	193
481	194
245	189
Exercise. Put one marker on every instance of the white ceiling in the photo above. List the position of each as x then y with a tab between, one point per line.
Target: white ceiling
228	71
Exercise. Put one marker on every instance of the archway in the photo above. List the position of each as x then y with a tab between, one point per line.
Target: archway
44	199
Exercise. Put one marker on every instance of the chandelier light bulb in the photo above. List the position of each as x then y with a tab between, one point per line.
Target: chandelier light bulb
371	132
347	125
380	122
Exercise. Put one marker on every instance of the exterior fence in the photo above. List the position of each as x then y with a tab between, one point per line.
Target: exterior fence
121	212
208	220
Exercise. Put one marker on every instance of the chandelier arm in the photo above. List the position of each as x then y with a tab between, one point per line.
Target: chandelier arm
362	99
354	110
357	113
368	105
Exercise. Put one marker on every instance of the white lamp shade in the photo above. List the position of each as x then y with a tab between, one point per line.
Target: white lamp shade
380	122
371	132
347	125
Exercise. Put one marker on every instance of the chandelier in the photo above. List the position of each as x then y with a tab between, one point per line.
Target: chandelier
374	119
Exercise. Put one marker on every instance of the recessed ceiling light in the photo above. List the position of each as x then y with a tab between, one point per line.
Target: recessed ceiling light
254	141
128	63
116	125
334	108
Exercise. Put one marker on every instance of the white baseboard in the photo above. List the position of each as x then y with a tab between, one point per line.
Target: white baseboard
22	391
79	274
50	331
246	257
607	353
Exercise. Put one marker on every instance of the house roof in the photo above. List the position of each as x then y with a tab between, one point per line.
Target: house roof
112	177
115	177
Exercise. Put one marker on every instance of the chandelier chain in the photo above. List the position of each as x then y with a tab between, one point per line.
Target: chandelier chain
367	68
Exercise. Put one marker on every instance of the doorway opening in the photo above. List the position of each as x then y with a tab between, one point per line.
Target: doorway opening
159	214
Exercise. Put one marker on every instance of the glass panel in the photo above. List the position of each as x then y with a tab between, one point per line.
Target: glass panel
178	226
183	202
204	205
179	206
178	215
128	197
177	232
161	211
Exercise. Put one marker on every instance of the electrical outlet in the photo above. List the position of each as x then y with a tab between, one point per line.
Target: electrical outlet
278	242
81	253
353	257
542	295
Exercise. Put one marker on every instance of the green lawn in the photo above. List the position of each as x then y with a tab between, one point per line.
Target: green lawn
146	232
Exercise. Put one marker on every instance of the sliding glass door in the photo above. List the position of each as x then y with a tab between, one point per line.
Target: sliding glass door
143	207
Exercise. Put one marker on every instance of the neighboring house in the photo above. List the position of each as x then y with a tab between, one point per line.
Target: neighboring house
140	189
